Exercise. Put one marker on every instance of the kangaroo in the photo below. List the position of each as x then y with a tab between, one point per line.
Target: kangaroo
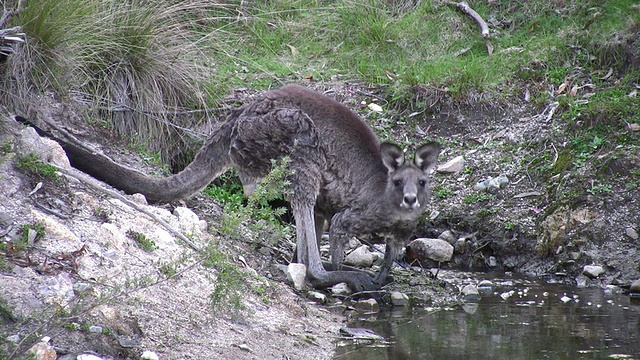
341	173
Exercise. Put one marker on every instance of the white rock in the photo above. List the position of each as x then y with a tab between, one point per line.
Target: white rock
448	237
317	296
592	271
149	355
139	199
470	292
13	338
632	233
58	290
88	357
340	289
506	295
399	299
45	149
369	305
434	249
189	221
361	257
95	329
452	166
296	273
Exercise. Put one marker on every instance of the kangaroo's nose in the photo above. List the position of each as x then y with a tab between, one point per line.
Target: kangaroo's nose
410	199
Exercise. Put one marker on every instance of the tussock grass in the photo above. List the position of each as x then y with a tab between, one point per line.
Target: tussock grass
143	65
138	66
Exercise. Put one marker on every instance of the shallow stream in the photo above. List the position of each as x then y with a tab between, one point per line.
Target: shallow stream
516	318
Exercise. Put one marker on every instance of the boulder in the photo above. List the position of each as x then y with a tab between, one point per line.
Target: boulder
430	249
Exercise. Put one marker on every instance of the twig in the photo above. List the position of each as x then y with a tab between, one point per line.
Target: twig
76	174
465	8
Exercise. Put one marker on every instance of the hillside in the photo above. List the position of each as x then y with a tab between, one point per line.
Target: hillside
548	101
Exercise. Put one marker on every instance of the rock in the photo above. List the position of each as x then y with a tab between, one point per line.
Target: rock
592	271
448	237
45	149
340	289
632	233
317	296
89	357
13	338
353	243
433	249
399	299
95	329
498	182
582	281
189	221
460	246
149	355
491	184
470	308
485	287
368	305
360	333
296	274
361	257
470	292
452	166
139	199
507	294
635	286
492	262
42	350
58	290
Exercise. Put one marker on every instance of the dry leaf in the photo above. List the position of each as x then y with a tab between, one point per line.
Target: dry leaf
609	73
634	127
561	88
294	51
574	91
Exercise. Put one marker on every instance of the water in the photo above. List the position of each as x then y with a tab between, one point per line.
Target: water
539	320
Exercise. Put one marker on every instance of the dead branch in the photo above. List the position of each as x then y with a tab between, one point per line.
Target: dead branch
465	8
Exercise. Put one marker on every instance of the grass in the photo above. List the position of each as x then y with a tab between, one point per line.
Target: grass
137	65
142	241
31	163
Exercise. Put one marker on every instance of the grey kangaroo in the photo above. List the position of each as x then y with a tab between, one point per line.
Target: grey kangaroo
341	174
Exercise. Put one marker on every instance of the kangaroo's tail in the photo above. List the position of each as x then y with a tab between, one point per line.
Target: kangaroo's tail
209	163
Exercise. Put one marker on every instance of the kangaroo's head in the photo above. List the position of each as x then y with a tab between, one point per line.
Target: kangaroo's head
408	189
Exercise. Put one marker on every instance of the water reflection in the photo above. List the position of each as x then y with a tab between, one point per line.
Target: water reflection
538	321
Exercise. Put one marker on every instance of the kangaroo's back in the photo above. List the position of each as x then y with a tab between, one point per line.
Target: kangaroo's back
351	148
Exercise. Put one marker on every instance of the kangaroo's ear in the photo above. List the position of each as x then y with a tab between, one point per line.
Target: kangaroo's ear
392	156
427	155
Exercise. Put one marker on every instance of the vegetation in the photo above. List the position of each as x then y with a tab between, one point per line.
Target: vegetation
142	240
31	163
153	71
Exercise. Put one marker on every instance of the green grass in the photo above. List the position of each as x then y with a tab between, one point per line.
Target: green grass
137	63
142	241
31	163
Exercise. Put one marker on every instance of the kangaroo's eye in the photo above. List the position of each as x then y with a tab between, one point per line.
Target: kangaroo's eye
422	183
397	182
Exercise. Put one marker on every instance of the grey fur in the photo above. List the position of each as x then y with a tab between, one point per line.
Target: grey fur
342	174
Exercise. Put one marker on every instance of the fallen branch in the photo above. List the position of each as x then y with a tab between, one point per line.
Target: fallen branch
465	8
